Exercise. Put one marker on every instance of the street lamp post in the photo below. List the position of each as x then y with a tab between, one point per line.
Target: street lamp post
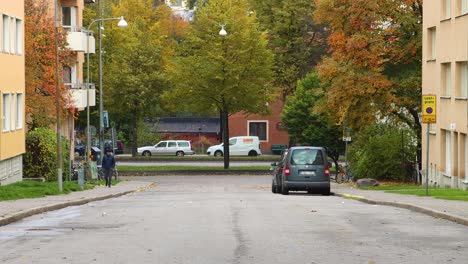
122	23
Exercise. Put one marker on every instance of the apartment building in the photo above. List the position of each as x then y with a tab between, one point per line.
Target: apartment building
445	74
71	17
12	89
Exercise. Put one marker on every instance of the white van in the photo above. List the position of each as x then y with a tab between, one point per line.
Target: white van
238	146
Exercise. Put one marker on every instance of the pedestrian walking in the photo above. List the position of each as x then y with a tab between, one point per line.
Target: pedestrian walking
108	164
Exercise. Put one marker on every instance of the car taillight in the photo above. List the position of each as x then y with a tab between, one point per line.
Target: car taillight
286	172
327	172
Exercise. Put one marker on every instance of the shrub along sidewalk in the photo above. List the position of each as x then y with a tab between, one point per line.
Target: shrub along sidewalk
439	193
32	189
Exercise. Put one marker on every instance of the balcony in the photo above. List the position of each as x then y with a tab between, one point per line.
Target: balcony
79	95
76	39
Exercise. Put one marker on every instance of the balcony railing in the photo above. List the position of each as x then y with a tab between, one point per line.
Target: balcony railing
79	94
77	38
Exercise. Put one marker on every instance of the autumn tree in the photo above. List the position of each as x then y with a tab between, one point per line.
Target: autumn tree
40	65
135	59
373	70
229	73
296	40
305	124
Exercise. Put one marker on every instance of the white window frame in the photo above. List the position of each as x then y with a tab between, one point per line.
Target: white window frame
463	7
267	128
432	39
447	7
6	112
19	111
6	33
463	79
73	15
448	153
12	35
466	158
19	37
446	79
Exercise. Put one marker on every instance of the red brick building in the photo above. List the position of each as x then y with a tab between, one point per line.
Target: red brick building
269	128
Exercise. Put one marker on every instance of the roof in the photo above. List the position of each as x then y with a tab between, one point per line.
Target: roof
188	125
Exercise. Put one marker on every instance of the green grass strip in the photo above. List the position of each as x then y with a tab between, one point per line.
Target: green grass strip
439	193
33	189
191	168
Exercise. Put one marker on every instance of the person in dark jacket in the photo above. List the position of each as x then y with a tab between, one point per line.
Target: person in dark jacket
108	164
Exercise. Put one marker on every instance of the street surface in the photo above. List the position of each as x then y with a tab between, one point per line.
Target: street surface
231	219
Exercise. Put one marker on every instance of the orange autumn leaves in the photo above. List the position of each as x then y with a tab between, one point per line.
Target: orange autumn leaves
370	41
40	64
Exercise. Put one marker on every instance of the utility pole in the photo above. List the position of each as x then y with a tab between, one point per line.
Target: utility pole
57	101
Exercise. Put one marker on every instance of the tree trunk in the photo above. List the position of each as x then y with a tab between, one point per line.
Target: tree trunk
226	137
221	130
134	136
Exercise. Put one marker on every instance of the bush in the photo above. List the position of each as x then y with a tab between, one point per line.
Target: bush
40	159
383	152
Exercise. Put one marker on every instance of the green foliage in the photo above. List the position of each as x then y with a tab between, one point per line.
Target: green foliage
135	59
383	152
231	73
306	125
296	40
147	135
40	159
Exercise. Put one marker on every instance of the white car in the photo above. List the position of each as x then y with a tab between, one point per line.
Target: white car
168	148
238	146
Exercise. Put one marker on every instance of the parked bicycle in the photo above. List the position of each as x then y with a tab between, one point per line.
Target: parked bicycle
344	175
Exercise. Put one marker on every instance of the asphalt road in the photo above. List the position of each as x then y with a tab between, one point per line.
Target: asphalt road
231	219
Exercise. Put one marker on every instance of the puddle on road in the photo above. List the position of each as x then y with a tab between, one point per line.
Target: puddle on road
40	225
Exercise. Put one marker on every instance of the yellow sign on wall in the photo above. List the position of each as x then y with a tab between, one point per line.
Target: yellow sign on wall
429	108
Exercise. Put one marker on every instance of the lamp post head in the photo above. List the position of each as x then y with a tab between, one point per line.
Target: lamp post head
122	23
222	32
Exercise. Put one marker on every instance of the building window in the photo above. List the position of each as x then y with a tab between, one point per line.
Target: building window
19	36
67	74
68	17
12	35
446	79
6	33
19	111
448	152
6	112
463	6
462	84
259	129
446	9
431	34
466	157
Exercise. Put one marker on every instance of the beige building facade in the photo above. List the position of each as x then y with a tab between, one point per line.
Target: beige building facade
445	74
12	90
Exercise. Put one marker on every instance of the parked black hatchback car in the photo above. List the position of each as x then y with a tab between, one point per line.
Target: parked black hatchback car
303	169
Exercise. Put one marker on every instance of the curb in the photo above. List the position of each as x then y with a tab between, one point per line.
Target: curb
193	172
18	216
411	207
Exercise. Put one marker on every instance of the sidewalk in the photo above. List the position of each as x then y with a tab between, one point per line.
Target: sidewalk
12	211
455	211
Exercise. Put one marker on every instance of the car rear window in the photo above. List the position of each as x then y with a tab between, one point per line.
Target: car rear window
172	144
307	157
183	144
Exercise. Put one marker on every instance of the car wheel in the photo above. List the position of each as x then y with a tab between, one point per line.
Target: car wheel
274	188
218	153
253	153
179	154
284	190
326	192
146	153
